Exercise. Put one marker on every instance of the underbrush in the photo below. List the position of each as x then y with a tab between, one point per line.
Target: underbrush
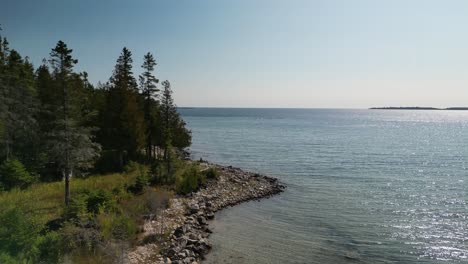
104	215
104	211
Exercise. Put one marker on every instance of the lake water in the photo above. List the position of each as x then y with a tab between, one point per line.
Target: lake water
364	186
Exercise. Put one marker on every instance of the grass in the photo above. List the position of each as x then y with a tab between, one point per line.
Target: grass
45	201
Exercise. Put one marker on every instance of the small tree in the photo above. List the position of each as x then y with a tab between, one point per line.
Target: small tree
14	174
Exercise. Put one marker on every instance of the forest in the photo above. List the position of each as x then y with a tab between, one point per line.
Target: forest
81	163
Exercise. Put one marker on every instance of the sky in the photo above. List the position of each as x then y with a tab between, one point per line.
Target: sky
264	53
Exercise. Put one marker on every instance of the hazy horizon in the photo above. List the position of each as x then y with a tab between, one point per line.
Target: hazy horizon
273	54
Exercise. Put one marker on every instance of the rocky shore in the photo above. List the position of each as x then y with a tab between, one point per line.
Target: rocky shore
179	234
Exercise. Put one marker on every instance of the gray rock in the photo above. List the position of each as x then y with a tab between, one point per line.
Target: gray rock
201	220
178	232
210	215
194	208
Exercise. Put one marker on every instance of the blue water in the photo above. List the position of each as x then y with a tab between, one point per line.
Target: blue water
364	186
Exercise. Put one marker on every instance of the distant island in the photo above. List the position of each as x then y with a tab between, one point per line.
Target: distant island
417	108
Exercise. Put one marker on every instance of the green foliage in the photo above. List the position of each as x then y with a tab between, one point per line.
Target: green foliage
21	240
49	247
87	203
76	208
114	226
52	123
164	173
122	126
190	180
100	200
14	174
141	180
211	173
132	166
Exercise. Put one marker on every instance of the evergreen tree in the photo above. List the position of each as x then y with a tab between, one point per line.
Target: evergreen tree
168	113
18	107
149	90
123	128
71	145
173	131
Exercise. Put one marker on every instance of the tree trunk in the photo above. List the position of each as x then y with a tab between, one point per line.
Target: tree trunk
67	186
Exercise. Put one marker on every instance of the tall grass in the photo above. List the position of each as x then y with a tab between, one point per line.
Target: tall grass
45	200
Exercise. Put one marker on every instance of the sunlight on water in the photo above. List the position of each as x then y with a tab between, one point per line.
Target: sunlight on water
364	186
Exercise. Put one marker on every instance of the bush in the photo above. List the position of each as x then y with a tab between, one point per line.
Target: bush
14	174
211	173
49	247
132	166
21	240
99	200
89	202
163	172
77	208
115	226
190	180
141	182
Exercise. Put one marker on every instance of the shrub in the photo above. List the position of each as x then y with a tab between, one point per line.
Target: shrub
21	239
141	182
99	200
164	172
211	173
89	202
49	247
156	200
77	207
14	174
115	226
132	166
190	180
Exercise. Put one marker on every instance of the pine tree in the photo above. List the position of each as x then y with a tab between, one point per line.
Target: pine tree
168	113
18	107
172	130
149	90
71	145
123	128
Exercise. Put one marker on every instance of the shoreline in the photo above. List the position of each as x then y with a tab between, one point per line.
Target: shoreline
180	233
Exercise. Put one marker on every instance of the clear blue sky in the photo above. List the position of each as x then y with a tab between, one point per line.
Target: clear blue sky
264	53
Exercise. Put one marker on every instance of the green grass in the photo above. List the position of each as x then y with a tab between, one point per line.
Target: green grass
46	200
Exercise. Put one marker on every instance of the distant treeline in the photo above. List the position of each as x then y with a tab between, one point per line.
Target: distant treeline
54	123
417	108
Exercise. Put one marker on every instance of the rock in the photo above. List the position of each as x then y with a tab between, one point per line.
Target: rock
182	255
182	242
178	232
201	220
191	241
208	230
194	209
210	215
173	251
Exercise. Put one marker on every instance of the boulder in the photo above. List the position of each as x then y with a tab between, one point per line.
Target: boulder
210	215
201	220
178	232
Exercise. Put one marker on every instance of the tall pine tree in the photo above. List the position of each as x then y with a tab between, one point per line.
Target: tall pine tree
71	145
122	121
150	91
